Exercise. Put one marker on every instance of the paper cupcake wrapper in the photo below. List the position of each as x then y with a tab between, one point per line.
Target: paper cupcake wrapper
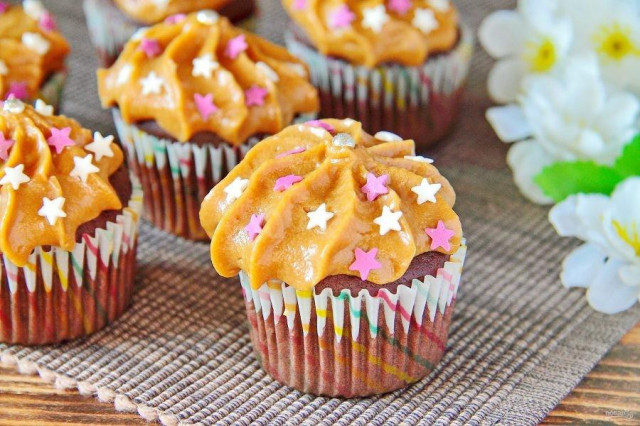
60	295
415	102
176	176
345	345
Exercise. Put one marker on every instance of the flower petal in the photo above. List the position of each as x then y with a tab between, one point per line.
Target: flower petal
630	275
564	218
527	159
581	265
500	33
509	123
505	80
608	294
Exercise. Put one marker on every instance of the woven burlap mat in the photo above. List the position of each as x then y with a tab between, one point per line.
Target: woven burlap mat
519	342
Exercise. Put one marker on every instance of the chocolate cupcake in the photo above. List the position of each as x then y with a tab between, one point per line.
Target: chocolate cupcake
398	65
349	255
32	54
190	99
112	22
68	230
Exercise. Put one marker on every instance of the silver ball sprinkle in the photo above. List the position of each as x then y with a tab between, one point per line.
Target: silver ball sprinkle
344	139
13	106
387	136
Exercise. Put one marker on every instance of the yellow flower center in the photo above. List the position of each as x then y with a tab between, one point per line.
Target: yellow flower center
615	42
629	235
541	56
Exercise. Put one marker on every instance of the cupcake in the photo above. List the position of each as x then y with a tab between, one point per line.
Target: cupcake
32	54
349	255
112	22
68	230
190	98
399	65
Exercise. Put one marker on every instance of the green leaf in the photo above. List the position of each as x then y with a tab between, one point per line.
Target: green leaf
560	180
628	164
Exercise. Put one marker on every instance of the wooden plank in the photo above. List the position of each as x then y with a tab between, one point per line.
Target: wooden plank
609	394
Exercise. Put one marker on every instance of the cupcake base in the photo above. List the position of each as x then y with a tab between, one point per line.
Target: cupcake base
419	103
60	295
352	346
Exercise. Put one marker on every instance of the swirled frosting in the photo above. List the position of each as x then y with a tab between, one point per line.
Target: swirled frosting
54	177
377	31
202	74
30	49
325	198
152	11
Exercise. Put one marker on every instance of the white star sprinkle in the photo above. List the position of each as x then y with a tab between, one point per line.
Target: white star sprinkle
34	9
161	4
425	20
124	74
208	17
374	18
14	176
204	65
43	109
152	84
101	146
235	189
268	71
388	220
319	217
52	209
440	5
13	106
419	159
83	167
35	42
4	70
426	191
387	136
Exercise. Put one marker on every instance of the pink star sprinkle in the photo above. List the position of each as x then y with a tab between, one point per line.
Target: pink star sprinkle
150	47
440	236
255	95
235	46
255	226
47	22
318	123
365	262
60	139
18	90
341	17
293	151
174	19
375	186
205	105
400	6
3	6
285	182
299	4
5	144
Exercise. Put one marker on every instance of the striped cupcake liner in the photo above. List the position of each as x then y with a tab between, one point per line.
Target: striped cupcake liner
350	346
60	295
420	103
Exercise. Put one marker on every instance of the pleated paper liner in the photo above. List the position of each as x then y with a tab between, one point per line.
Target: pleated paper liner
340	345
419	103
60	295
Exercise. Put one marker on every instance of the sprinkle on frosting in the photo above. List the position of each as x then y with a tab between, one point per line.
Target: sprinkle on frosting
255	86
5	144
293	151
13	106
14	176
18	90
150	47
419	158
153	11
101	146
52	209
377	31
36	42
60	139
315	225
83	167
387	136
426	191
43	108
440	236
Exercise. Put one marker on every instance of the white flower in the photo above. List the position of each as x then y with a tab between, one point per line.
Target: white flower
611	30
568	117
608	265
531	39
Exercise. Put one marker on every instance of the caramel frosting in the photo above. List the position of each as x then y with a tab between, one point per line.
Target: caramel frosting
373	32
325	198
30	49
54	177
202	74
152	11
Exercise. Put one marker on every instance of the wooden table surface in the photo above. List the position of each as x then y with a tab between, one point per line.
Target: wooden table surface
610	394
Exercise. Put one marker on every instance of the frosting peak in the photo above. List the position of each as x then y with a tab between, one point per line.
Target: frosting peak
54	177
202	74
325	198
